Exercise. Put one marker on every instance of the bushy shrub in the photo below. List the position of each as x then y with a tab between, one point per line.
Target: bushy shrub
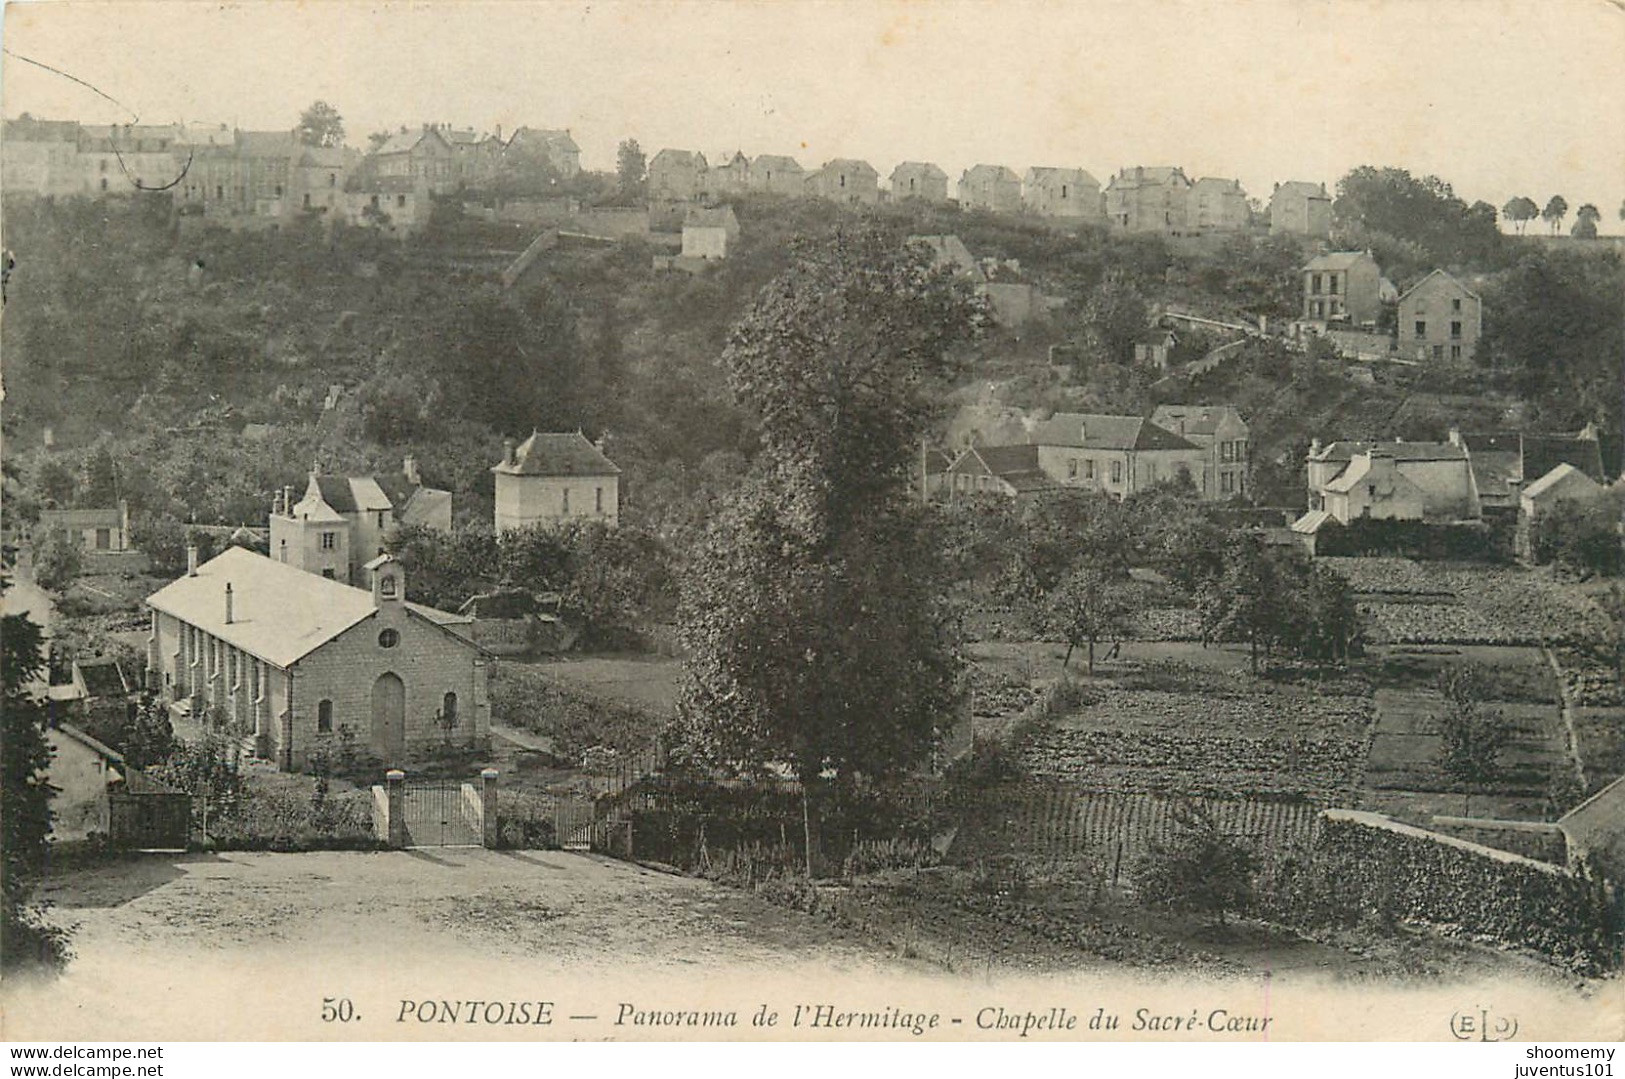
526	822
1199	870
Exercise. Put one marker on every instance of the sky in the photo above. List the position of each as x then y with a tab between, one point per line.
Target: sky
1499	97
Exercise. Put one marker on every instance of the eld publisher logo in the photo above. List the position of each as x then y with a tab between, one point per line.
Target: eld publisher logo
1483	1025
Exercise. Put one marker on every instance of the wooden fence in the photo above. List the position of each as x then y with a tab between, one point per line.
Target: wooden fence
1055	823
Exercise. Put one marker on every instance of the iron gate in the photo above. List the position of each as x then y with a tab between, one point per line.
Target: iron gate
436	815
573	818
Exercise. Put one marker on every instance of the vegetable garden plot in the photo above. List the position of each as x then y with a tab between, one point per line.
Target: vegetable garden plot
1541	608
1441	623
1197	744
1386	576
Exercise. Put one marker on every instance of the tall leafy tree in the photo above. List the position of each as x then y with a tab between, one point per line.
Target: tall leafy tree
320	125
1585	222
630	166
1557	207
1520	211
813	610
1114	317
25	799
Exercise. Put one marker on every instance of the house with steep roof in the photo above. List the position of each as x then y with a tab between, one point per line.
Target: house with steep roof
1439	319
774	174
1119	455
423	154
678	175
1431	481
553	148
554	477
298	659
1564	483
710	234
1218	205
993	188
1503	462
1300	208
847	181
1149	199
1010	471
83	772
1222	434
1342	286
1372	487
341	521
919	180
1071	194
732	177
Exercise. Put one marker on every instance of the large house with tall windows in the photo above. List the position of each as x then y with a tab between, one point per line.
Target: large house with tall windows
259	645
341	521
551	478
1342	286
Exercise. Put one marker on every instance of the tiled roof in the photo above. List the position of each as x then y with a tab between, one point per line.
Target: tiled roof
849	165
107	517
1197	419
923	167
553	454
678	158
1335	260
86	740
1400	451
1050	176
1565	480
776	162
1303	188
557	139
1313	522
280	613
401	142
1015	465
1096	432
982	173
336	492
1438	273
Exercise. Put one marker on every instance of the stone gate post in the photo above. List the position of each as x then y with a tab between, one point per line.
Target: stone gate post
395	790
488	808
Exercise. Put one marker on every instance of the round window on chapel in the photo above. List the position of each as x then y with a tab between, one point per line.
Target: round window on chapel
389	638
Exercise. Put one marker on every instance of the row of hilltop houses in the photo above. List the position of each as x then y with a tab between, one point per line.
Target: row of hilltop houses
264	179
1139	199
248	178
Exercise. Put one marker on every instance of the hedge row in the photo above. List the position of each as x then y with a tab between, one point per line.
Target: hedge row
1393	871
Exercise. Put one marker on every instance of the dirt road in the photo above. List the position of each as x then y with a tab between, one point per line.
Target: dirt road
219	945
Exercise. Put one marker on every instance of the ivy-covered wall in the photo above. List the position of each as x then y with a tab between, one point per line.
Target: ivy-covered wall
1409	874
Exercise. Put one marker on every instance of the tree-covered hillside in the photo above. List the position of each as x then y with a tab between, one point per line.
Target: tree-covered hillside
194	370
